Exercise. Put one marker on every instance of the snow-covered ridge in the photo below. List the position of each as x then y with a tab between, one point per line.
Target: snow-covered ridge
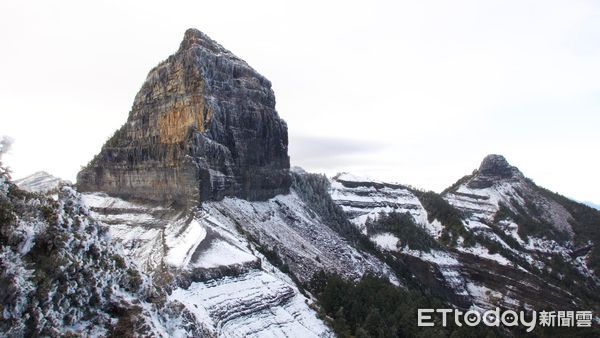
509	211
367	201
230	284
349	177
286	225
478	198
481	205
40	182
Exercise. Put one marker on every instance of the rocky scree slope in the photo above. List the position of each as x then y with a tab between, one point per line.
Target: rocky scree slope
203	126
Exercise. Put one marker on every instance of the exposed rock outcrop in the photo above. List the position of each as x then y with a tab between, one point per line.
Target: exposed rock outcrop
497	165
492	169
203	126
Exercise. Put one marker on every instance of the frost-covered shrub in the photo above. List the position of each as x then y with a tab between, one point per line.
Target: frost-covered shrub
16	284
61	274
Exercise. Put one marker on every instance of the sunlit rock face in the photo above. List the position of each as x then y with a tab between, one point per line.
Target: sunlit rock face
203	126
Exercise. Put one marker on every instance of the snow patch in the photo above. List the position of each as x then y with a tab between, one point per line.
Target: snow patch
386	241
483	252
222	253
181	246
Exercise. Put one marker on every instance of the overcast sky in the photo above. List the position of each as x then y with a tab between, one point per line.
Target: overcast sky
416	92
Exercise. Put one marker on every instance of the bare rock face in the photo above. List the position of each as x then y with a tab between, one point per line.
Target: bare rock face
497	166
203	126
492	169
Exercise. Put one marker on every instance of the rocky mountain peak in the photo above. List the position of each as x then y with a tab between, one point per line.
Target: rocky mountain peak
494	168
497	165
195	37
203	126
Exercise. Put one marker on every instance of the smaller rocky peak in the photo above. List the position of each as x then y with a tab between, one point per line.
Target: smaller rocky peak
497	166
494	168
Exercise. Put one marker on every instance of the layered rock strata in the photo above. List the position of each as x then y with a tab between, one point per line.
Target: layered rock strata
203	126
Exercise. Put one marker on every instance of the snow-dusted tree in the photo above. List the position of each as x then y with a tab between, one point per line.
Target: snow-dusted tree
61	274
5	144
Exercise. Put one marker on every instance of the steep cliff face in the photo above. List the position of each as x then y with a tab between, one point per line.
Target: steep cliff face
203	126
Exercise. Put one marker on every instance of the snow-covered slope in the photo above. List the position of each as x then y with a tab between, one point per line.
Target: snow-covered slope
518	224
482	196
365	200
500	204
362	200
257	303
40	182
211	250
220	276
218	255
514	245
287	226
